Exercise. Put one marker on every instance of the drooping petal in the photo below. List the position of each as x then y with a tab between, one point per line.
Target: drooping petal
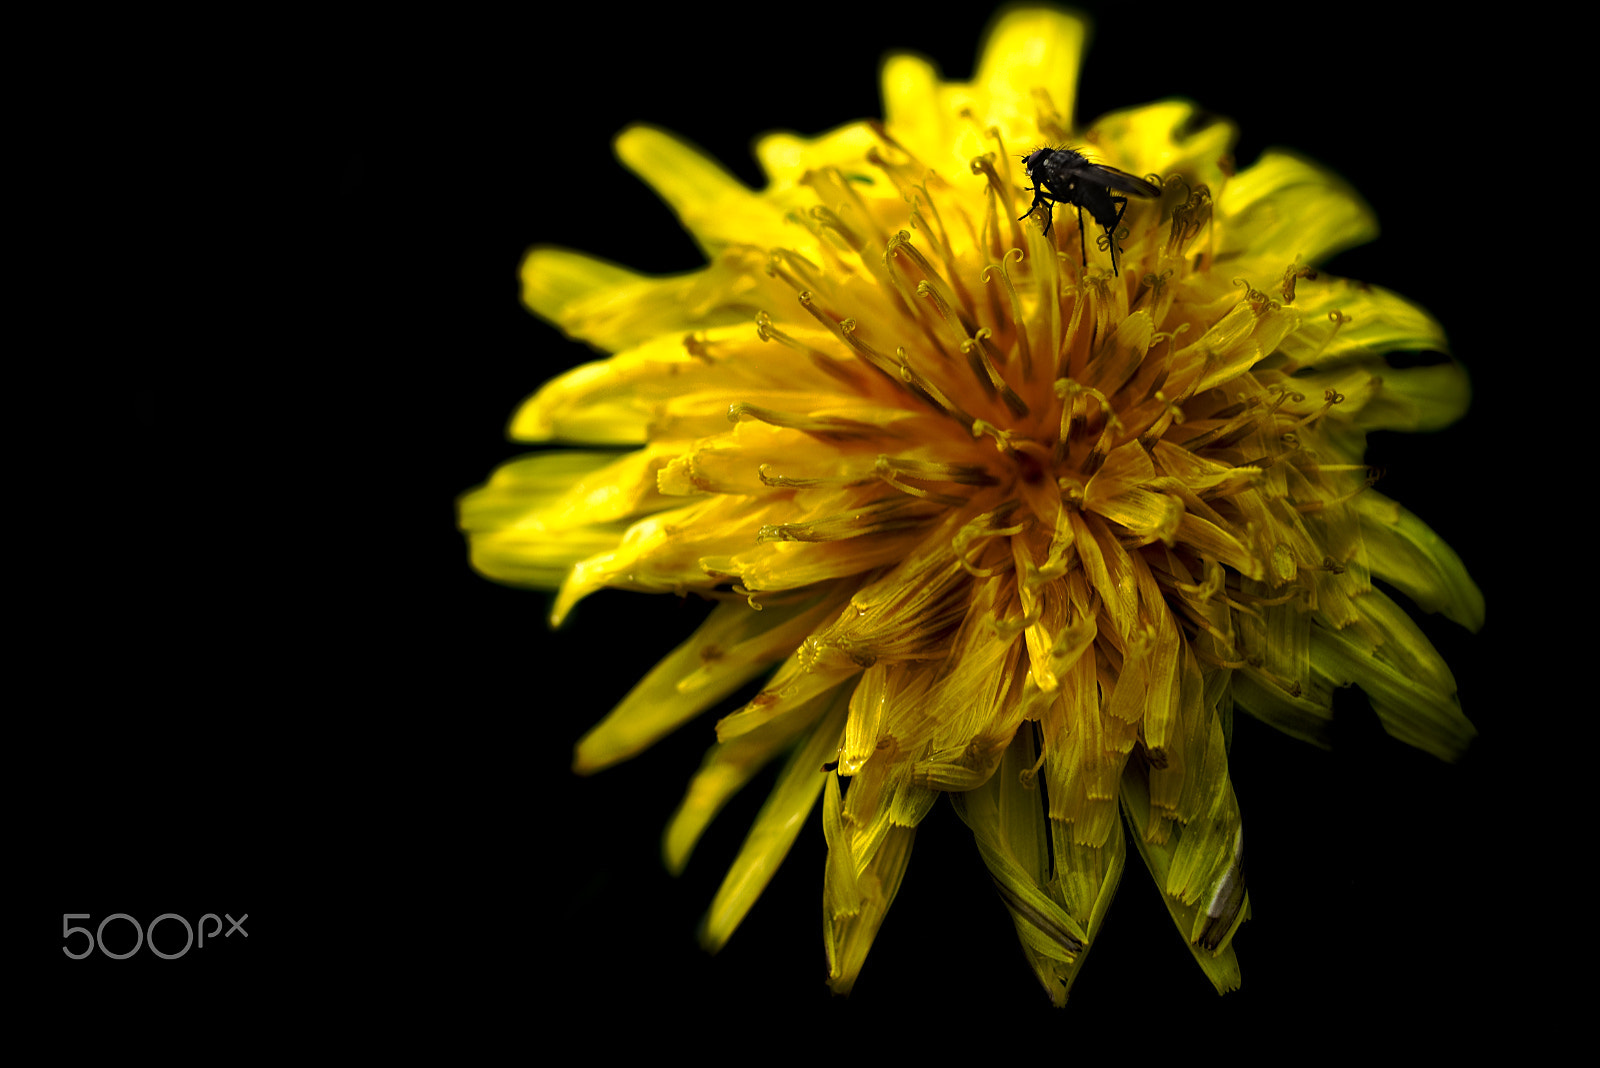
733	646
1404	677
727	767
1404	552
776	826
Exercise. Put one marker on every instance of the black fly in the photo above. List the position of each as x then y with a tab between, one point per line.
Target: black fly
1065	176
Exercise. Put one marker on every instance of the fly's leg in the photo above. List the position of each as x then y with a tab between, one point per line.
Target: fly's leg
1111	231
1039	196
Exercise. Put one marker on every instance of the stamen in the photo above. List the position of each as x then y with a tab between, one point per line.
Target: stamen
1291	274
1247	415
1096	288
1171	414
829	221
1211	658
1108	434
976	535
1073	419
798	272
1239	597
837	369
1002	437
763	472
943	297
1009	628
958	328
1338	319
1157	365
939	471
1048	120
875	517
1018	321
1330	398
1259	302
1002	188
844	185
886	471
845	332
823	426
1333	502
980	358
936	234
1029	777
897	279
1212	585
1188	219
1198	618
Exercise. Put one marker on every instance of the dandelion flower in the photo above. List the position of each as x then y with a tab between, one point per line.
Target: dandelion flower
999	516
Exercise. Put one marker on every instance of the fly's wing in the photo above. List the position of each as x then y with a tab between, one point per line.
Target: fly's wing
1124	182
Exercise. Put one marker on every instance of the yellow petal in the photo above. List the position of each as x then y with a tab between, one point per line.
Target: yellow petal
1033	49
1404	552
775	827
522	527
727	767
848	934
1347	320
1406	681
1056	918
787	158
664	552
713	205
1206	900
1284	208
1418	399
734	645
1168	137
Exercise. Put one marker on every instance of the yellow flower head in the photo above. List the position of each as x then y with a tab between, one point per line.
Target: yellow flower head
1020	489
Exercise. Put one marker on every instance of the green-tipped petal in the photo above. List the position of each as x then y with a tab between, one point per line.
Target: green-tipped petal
850	925
1404	677
1305	715
1404	552
1418	399
1201	883
1056	918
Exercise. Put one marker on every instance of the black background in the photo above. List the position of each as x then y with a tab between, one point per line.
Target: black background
286	694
